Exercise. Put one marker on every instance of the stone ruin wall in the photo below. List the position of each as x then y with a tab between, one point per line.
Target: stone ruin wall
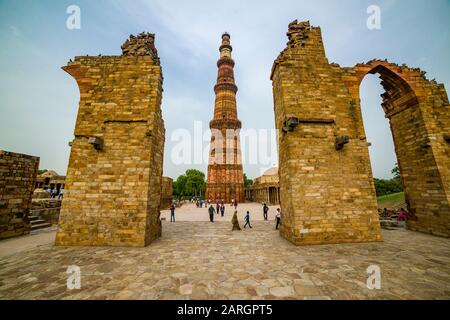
166	192
113	185
419	114
327	190
327	195
17	177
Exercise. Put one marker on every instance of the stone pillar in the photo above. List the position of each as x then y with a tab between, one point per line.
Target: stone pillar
113	186
323	165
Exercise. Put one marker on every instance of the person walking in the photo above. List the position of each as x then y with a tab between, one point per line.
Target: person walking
235	204
235	222
211	213
278	218
217	207
222	210
265	211
247	220
172	213
61	194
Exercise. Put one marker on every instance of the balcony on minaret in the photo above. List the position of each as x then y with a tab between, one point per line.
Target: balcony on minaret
225	49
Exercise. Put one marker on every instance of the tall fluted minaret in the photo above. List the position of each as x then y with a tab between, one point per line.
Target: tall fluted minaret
225	175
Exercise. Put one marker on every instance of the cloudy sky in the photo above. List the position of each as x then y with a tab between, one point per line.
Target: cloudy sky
39	101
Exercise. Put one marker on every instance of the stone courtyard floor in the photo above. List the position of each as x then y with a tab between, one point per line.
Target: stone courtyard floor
203	260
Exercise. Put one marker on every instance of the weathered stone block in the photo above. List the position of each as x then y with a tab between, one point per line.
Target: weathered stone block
113	188
324	161
17	178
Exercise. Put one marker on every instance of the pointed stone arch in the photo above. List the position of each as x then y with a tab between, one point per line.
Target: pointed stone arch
418	112
326	183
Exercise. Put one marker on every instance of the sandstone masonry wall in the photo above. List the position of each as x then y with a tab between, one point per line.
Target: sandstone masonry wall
113	185
327	195
17	177
419	113
166	193
327	189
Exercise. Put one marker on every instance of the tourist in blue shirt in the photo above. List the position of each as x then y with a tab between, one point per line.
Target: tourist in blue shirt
247	220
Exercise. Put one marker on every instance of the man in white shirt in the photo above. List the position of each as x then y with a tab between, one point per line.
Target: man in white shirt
278	218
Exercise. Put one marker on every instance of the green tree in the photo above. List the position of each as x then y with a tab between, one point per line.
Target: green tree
396	172
179	186
247	182
388	186
195	183
190	184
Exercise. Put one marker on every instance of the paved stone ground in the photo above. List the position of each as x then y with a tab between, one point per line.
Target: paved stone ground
202	260
40	237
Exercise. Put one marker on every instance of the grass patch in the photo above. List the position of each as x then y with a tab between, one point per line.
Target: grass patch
391	201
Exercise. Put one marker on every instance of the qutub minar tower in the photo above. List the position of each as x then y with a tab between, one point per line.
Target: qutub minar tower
225	174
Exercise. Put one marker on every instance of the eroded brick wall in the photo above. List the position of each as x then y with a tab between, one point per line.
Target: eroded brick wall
327	195
17	177
167	192
419	114
113	188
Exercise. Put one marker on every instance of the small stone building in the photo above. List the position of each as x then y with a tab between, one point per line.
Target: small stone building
50	180
266	188
17	178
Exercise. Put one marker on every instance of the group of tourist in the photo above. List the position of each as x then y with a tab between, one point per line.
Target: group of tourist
400	215
56	194
220	208
235	220
277	215
198	202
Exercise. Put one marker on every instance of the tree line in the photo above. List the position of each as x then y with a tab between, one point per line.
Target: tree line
389	186
193	184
